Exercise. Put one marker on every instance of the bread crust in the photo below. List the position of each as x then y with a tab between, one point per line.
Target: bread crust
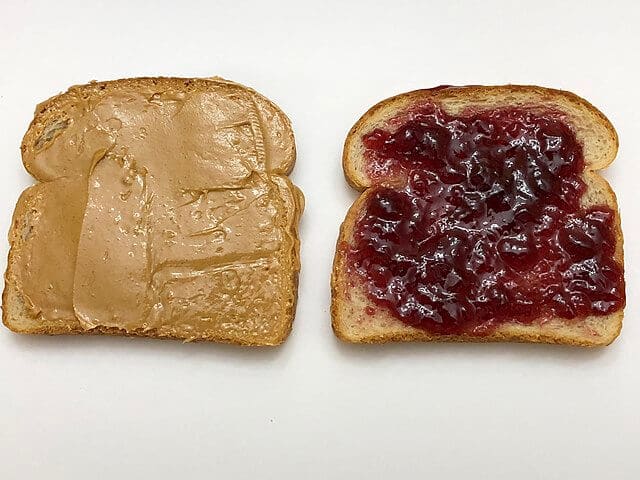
593	130
17	315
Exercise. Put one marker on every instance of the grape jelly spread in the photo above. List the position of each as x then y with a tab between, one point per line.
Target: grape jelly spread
476	220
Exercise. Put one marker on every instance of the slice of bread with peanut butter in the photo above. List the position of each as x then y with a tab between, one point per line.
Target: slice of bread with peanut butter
163	209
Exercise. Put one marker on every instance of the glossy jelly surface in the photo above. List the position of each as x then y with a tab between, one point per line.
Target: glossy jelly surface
476	220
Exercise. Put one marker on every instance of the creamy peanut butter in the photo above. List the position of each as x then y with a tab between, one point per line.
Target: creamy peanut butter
164	208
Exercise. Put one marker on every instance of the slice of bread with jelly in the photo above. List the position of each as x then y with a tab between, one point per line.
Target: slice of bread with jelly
482	218
163	209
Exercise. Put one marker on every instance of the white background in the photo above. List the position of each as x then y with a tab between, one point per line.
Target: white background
100	407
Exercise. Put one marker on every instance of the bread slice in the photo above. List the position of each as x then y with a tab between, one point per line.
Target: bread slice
163	209
355	318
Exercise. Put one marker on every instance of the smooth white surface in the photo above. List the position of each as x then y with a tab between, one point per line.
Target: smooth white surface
100	407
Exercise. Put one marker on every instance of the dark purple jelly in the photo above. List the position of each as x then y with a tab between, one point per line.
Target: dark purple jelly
476	220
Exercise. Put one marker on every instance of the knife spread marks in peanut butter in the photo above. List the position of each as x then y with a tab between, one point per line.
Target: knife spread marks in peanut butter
164	207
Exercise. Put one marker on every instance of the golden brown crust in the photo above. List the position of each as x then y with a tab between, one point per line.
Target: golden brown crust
600	141
532	336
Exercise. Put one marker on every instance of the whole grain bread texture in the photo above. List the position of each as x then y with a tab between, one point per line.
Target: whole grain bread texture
599	141
244	296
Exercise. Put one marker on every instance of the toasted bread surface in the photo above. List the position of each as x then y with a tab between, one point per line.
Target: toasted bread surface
163	210
599	142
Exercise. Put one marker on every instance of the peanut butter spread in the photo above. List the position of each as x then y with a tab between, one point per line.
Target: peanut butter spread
164	209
